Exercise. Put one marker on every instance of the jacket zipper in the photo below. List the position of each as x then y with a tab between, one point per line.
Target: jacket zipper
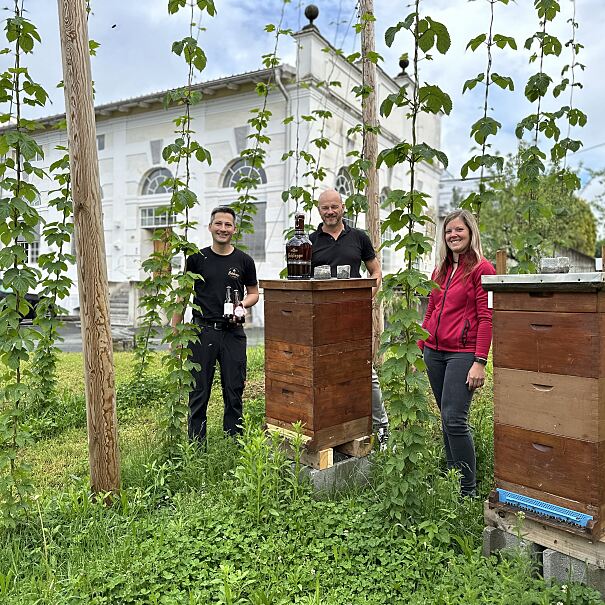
447	285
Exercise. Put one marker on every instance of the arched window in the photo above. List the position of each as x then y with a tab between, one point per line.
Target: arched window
384	194
241	168
153	183
344	183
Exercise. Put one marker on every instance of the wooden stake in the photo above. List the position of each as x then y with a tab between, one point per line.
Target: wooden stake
90	249
501	258
366	7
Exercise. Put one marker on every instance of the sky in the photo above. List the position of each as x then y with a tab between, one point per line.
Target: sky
135	58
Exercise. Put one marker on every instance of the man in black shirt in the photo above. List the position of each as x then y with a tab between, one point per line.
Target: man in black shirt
335	243
220	265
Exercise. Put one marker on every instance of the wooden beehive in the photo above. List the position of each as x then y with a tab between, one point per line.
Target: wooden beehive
318	356
549	390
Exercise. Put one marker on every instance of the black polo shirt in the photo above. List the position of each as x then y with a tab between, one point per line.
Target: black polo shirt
351	248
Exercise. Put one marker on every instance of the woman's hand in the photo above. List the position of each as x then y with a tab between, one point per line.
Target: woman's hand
476	376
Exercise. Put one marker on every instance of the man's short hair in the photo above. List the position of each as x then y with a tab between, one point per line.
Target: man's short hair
224	209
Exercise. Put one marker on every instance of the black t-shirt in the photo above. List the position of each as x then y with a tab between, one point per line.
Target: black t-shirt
236	270
352	246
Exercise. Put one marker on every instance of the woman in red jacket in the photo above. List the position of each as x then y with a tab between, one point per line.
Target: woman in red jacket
459	324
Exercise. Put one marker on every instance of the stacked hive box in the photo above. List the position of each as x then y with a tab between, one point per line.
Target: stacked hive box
549	397
318	354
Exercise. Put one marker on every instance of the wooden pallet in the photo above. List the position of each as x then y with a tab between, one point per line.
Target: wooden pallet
324	458
560	538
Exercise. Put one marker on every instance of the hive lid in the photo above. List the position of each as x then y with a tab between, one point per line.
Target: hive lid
562	282
317	284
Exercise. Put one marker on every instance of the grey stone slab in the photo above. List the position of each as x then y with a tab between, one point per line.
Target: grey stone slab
346	472
565	568
495	539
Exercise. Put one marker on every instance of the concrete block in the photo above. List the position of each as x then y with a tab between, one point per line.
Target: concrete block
565	568
495	539
346	472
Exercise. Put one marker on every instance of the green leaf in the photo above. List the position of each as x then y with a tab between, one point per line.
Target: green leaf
537	86
433	34
502	41
389	36
547	9
434	99
470	84
483	128
503	82
175	5
475	43
559	88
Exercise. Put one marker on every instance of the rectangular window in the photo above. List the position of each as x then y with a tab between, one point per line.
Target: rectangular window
33	252
387	252
153	217
100	142
254	243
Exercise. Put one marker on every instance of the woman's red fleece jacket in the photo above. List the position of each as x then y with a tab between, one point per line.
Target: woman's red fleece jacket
457	318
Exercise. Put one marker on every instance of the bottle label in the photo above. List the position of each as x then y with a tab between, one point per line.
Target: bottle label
228	309
239	311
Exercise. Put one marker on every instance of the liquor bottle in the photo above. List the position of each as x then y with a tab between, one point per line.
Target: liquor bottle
298	250
239	312
228	306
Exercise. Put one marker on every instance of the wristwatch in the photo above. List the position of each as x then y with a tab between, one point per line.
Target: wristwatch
481	360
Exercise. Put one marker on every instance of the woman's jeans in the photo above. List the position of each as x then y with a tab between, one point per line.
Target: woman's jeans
447	375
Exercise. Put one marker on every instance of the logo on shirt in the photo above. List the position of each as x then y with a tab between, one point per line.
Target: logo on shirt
234	273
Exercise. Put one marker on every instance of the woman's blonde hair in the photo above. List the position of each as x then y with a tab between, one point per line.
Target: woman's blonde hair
472	256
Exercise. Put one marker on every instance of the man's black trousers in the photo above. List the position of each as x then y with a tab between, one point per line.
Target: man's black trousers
228	347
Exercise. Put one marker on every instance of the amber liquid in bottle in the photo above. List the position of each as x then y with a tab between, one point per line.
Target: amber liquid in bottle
298	250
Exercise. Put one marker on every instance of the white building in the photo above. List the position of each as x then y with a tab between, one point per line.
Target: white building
132	133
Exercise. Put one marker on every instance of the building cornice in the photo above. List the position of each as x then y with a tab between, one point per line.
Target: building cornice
155	100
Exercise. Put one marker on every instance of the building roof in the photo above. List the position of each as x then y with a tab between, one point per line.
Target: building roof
208	88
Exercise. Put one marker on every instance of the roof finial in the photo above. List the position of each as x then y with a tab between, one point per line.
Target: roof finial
311	13
404	63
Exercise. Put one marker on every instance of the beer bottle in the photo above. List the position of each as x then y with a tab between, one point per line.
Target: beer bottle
298	250
228	306
238	308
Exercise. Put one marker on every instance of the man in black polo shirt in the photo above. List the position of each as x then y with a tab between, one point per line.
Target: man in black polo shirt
335	243
220	265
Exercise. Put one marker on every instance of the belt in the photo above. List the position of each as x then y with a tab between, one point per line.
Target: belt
216	325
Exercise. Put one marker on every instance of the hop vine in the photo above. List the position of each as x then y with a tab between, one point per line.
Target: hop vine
19	220
403	386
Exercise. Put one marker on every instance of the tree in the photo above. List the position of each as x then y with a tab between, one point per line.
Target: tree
564	218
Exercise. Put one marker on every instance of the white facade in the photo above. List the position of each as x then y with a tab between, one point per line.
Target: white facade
131	135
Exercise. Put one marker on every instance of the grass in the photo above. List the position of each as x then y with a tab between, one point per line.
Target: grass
232	524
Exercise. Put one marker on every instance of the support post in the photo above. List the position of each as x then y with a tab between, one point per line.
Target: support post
501	258
369	102
90	249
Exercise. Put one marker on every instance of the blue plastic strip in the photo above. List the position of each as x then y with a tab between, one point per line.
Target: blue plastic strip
543	508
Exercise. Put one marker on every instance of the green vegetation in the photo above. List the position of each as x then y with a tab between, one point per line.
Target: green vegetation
232	524
564	218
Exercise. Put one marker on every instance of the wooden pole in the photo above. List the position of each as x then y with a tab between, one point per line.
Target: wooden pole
501	258
90	249
366	7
